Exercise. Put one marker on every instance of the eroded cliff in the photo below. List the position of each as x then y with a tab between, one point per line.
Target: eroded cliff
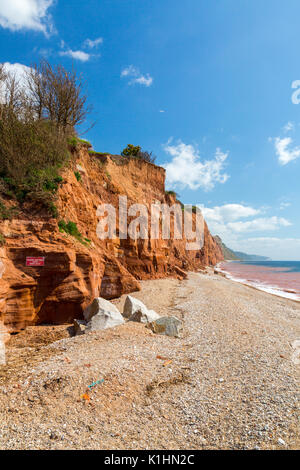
77	270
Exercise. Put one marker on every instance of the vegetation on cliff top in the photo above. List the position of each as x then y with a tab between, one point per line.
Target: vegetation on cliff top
132	151
37	130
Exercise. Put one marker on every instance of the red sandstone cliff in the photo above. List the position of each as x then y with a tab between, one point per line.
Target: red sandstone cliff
75	273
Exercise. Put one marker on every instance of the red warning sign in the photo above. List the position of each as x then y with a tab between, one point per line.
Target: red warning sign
35	261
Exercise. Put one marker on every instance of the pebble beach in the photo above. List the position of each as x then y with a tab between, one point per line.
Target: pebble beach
230	381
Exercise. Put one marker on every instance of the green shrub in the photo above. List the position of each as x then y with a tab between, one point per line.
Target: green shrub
74	143
53	210
77	175
92	153
85	142
31	157
132	151
71	229
37	131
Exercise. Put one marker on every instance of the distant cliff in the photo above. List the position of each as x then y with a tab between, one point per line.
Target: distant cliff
231	255
77	265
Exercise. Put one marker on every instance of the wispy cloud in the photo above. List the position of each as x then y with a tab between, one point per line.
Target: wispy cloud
284	205
18	15
228	221
274	247
284	152
92	43
229	212
290	126
261	224
136	77
188	170
77	55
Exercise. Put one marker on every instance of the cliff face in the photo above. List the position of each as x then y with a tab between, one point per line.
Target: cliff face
75	272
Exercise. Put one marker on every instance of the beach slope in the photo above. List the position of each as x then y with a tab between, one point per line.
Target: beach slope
230	382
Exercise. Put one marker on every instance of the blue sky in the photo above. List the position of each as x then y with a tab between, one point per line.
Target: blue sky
205	85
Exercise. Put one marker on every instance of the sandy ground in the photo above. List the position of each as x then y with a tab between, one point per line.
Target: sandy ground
230	382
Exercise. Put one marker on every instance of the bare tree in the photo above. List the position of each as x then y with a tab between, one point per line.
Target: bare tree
37	89
2	88
58	95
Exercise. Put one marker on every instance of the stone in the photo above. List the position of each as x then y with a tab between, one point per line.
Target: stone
144	317
99	306
133	306
136	311
79	327
104	320
169	326
281	442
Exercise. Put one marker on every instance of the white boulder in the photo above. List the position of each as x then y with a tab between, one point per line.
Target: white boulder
136	311
99	305
102	314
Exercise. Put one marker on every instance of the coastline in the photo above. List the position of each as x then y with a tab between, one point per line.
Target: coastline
229	382
272	290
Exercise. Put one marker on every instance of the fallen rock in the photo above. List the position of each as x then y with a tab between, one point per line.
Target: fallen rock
99	306
79	327
136	311
104	320
144	317
102	314
169	326
132	306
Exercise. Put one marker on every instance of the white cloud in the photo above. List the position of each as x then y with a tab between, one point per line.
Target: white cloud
284	153
77	55
259	225
19	15
284	205
228	222
290	126
146	80
162	111
136	77
187	170
19	71
129	71
90	43
273	247
228	212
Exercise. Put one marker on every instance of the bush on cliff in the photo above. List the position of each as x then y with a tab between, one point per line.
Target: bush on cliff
132	151
36	125
71	229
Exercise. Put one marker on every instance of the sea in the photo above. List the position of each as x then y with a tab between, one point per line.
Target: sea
280	278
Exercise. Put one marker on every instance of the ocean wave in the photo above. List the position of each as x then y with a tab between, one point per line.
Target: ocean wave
270	289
